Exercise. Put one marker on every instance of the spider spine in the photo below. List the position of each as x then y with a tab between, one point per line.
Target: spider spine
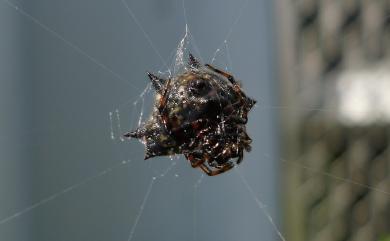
158	83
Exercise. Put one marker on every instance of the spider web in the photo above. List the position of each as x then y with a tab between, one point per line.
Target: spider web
133	113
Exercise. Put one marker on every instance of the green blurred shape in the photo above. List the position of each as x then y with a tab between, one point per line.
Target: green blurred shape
385	238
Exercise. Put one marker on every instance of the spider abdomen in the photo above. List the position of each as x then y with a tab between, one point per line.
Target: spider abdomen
201	113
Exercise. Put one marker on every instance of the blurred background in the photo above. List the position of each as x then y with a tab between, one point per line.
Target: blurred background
72	74
334	75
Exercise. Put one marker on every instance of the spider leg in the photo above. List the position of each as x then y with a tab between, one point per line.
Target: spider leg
227	75
215	172
235	118
163	102
246	101
196	125
164	98
240	157
194	161
197	163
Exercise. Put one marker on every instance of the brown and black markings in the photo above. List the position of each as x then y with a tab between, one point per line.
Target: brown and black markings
200	113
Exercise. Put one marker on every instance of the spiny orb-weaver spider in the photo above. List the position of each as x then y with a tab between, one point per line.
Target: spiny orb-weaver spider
201	113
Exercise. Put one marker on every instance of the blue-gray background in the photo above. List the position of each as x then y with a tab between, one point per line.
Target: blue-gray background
55	130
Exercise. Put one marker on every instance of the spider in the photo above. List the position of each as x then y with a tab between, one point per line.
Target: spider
201	113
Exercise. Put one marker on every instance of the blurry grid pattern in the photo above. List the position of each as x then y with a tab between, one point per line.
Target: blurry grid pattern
318	39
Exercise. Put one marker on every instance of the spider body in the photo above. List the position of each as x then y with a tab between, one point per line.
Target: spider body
201	113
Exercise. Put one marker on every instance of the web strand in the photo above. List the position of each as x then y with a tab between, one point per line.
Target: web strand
118	119
194	211
229	59
141	209
167	170
328	174
193	41
132	15
111	127
62	192
67	42
230	31
260	204
194	215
